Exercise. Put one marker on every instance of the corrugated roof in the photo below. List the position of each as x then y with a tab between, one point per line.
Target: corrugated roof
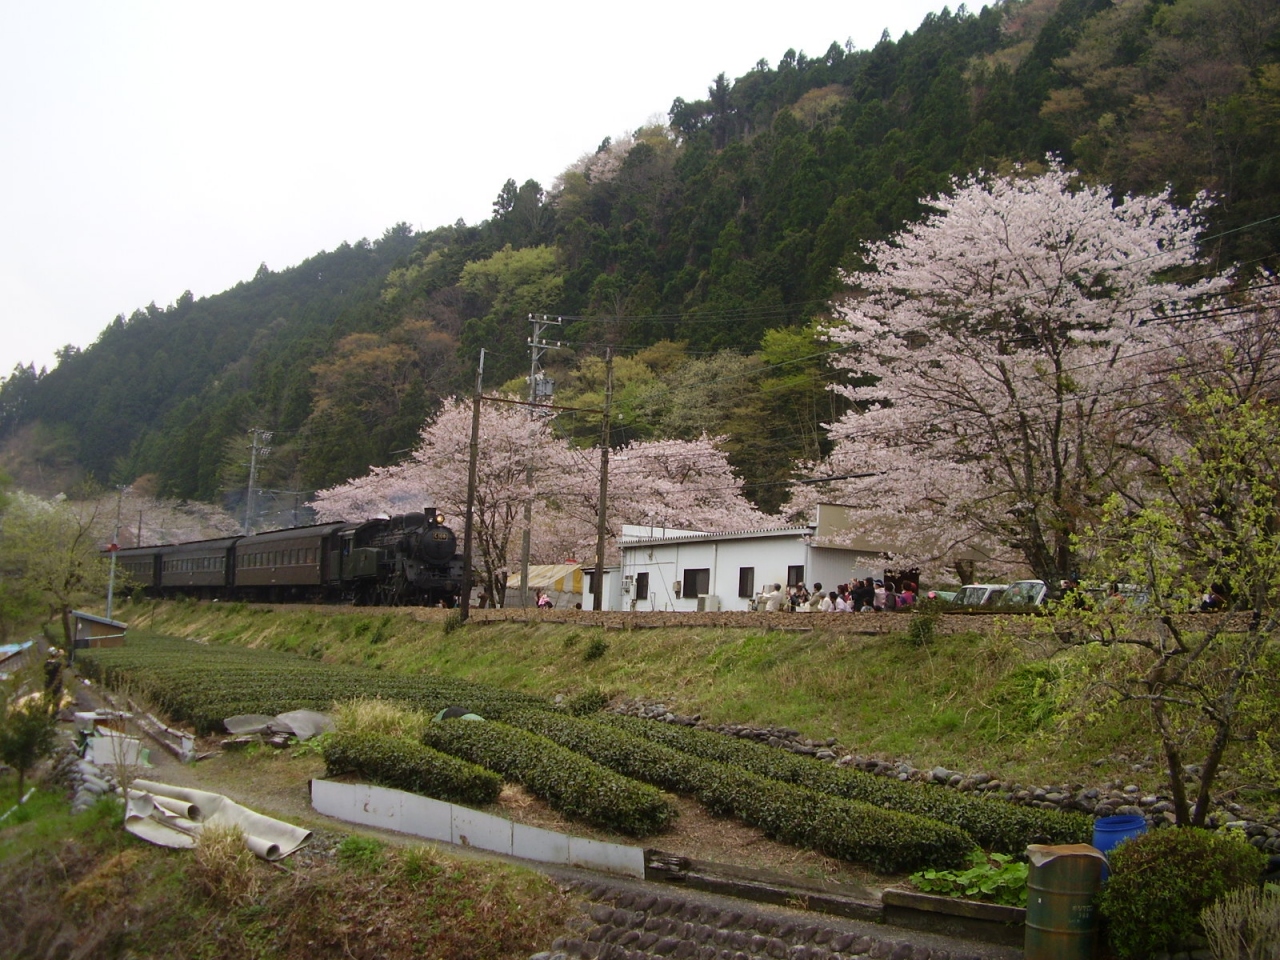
760	533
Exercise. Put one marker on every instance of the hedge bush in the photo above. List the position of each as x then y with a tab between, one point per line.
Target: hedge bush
848	829
408	765
995	824
201	684
572	784
1162	880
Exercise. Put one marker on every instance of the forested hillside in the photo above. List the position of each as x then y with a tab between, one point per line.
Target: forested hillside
702	251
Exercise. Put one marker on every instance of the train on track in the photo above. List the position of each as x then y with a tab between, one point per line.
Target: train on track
411	559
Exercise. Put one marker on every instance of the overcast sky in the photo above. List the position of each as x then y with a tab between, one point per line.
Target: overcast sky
151	148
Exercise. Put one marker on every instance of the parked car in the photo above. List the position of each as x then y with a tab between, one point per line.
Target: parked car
979	594
1025	593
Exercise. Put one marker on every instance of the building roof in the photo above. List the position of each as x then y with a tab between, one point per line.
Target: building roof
81	615
759	534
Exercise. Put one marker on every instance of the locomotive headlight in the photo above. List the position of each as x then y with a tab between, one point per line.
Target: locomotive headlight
439	519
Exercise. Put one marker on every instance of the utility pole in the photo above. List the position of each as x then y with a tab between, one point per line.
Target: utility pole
115	545
597	600
540	389
263	437
471	492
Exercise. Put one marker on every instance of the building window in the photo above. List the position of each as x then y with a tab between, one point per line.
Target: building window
697	582
642	585
747	582
795	575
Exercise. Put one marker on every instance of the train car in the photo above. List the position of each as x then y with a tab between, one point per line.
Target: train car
288	564
141	565
407	559
205	568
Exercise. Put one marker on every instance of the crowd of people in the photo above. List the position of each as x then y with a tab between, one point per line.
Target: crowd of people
862	596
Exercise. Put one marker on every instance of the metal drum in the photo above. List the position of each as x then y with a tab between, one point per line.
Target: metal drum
1062	921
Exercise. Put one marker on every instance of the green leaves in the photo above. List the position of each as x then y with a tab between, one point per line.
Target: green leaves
847	829
408	765
571	783
201	684
994	824
995	877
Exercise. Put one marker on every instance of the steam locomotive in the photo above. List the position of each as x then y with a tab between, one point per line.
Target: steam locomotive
411	559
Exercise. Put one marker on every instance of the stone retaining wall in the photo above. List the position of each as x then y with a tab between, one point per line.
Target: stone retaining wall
621	924
871	624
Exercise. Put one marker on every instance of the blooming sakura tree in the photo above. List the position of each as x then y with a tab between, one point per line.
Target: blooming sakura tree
685	484
436	476
1002	348
672	482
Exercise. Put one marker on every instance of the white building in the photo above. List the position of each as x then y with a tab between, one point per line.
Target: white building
665	569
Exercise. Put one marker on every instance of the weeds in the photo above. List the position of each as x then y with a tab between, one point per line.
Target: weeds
383	717
594	650
362	853
223	868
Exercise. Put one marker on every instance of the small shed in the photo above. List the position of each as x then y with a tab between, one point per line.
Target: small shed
95	631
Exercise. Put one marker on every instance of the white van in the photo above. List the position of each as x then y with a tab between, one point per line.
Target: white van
979	594
1025	593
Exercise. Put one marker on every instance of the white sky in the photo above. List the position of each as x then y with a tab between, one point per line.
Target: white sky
155	147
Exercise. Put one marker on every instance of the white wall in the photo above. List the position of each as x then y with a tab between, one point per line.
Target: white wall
770	557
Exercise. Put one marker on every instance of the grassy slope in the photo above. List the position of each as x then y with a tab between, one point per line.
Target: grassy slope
78	885
965	702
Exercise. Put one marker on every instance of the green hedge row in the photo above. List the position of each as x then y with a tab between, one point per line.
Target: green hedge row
201	684
885	839
408	765
994	823
572	784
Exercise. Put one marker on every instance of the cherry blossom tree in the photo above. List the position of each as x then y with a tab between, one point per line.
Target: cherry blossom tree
684	484
511	444
671	482
1003	348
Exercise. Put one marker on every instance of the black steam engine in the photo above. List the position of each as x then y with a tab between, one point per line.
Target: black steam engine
408	559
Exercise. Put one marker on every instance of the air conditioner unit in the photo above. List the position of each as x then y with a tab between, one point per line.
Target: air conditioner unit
706	604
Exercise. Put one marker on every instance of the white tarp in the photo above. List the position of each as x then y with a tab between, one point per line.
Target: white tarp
303	724
110	749
174	816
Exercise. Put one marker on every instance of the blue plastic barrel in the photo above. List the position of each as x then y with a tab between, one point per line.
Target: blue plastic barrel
1110	832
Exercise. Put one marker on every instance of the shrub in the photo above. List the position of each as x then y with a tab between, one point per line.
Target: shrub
993	823
922	627
841	828
594	650
587	702
408	765
1243	925
1161	881
572	784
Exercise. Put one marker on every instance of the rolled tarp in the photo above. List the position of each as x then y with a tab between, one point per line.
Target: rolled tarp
172	816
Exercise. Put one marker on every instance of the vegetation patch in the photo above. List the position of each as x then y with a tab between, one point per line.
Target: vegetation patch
572	784
405	764
201	684
995	825
1161	881
841	828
